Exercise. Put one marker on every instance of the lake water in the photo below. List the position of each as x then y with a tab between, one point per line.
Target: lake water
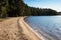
49	27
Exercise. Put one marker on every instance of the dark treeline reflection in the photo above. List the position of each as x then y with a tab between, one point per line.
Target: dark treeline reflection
14	8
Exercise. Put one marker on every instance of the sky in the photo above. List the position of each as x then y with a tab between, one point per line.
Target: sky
52	4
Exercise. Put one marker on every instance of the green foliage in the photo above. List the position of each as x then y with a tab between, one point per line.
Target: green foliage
14	8
41	12
3	8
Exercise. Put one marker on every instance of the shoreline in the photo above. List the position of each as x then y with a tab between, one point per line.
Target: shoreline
29	31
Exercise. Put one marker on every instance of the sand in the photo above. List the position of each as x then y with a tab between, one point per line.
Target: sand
29	31
16	29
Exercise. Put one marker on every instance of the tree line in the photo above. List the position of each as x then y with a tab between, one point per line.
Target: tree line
14	8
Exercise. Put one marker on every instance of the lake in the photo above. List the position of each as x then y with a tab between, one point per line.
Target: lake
49	27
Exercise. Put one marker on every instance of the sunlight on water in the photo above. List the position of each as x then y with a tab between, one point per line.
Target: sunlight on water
48	26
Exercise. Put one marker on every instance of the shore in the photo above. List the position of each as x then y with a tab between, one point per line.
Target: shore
29	31
17	29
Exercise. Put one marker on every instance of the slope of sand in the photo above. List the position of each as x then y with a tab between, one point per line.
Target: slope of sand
15	29
29	31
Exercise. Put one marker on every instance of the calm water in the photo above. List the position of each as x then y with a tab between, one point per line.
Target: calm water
47	26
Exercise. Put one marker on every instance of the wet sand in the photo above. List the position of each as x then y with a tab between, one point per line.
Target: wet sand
29	31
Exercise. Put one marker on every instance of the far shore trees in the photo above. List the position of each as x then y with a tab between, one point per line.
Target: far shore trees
14	8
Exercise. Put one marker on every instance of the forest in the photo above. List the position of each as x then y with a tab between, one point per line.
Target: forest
15	8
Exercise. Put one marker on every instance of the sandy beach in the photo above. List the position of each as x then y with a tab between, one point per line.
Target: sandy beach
17	29
29	31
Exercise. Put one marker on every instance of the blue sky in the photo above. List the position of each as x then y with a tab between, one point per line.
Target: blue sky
53	4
